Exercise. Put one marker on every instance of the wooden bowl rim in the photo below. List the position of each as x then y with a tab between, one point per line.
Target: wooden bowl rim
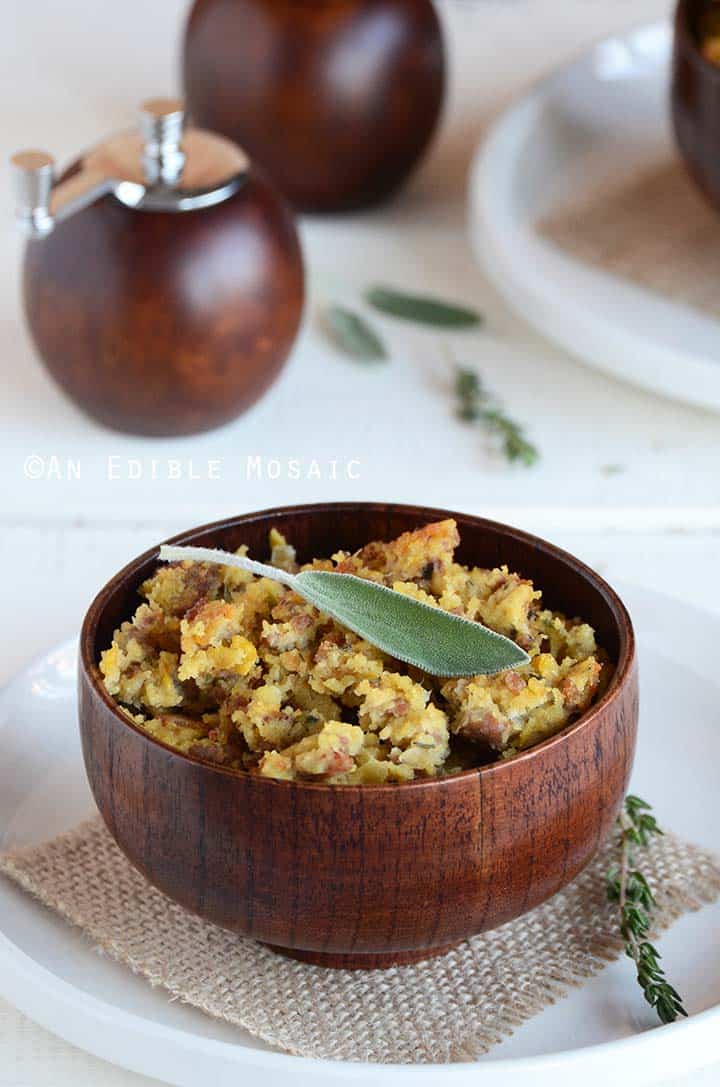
685	37
623	668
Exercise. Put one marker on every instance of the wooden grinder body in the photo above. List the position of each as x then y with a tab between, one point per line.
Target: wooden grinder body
164	322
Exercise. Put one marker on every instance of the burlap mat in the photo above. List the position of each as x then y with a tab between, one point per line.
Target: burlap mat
651	227
446	1009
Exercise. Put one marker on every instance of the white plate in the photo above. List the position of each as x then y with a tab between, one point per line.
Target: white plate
599	1031
594	118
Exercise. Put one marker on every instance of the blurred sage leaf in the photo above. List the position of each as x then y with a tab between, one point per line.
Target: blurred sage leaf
353	334
422	309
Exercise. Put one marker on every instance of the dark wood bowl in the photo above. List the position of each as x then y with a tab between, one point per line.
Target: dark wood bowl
160	323
695	102
337	99
365	876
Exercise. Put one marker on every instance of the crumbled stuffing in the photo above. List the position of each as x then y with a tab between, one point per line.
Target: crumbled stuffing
241	672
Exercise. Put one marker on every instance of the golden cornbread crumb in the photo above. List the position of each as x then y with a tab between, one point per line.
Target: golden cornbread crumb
211	643
328	754
240	671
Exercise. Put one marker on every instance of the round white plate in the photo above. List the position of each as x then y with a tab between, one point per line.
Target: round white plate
597	117
601	1031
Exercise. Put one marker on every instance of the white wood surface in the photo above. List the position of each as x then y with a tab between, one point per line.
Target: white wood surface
68	74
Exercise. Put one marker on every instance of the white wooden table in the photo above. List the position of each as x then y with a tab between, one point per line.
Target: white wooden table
629	482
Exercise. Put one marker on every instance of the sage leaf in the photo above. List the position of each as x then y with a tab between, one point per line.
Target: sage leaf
429	638
353	335
419	308
434	640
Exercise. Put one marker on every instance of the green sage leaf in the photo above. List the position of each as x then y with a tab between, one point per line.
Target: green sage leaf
429	638
353	335
434	640
419	308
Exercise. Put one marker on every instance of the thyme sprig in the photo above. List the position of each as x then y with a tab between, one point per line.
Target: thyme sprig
630	890
475	405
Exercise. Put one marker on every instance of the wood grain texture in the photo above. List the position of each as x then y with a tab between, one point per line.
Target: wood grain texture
360	876
695	102
338	99
163	323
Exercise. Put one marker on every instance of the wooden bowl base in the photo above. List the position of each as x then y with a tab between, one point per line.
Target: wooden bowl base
355	961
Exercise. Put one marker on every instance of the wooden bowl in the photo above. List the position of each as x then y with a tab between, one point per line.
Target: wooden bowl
695	100
365	876
337	99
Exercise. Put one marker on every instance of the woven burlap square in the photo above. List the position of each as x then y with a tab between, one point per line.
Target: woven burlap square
651	227
446	1009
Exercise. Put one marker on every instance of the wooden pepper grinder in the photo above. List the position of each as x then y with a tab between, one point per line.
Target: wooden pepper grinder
337	99
163	279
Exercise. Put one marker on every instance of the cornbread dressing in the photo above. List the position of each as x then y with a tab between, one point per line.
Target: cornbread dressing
242	672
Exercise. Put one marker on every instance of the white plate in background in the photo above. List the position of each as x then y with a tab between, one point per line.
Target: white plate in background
595	117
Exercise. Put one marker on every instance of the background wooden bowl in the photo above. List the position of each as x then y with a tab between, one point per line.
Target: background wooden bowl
695	101
337	99
362	876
